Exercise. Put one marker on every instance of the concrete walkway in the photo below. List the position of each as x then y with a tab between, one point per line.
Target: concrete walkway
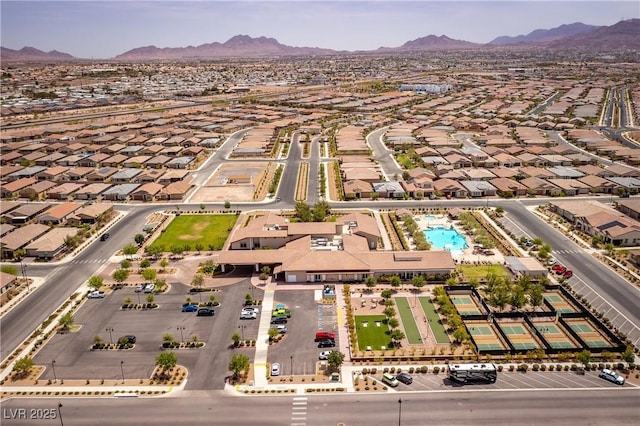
262	342
385	237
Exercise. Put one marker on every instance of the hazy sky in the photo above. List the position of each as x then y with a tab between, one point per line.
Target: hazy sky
104	29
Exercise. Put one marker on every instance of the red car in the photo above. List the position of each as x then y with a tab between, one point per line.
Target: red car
561	270
568	273
556	267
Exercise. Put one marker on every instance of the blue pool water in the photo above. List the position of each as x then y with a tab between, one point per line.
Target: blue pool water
430	217
446	239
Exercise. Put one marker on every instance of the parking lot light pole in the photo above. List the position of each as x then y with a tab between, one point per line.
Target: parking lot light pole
181	335
110	330
291	366
60	413
122	370
399	411
53	367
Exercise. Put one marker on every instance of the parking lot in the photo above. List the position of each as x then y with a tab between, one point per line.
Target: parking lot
509	380
207	365
307	317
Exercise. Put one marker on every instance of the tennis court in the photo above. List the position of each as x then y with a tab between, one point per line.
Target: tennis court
591	335
555	336
559	303
464	304
484	336
512	329
581	328
519	336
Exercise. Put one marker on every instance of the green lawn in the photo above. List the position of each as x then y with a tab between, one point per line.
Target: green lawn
438	330
408	322
481	271
371	335
210	231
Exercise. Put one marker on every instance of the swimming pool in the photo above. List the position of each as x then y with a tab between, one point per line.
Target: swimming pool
446	239
430	217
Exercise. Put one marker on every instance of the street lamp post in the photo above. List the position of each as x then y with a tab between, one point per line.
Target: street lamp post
122	370
291	365
60	413
242	327
251	288
23	268
110	330
53	367
399	411
181	335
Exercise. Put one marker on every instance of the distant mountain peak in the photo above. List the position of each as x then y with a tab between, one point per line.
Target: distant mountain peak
543	35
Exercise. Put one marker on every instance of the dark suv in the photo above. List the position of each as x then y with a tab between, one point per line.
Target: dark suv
104	237
205	312
326	343
279	320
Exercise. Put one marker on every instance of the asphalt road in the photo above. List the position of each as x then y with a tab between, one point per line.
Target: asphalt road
548	407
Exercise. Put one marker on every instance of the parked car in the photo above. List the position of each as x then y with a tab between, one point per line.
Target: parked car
282	329
251	309
404	378
327	343
321	335
139	288
556	266
104	237
552	261
611	376
96	295
390	379
248	315
205	312
281	313
324	355
561	270
568	273
190	308
279	320
149	288
130	338
275	369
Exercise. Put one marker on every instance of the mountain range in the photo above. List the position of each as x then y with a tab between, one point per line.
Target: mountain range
622	35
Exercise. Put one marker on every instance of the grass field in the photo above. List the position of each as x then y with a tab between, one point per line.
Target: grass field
408	322
209	231
481	271
438	330
372	335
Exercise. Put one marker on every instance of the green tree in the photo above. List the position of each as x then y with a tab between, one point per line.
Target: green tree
23	366
235	338
610	249
536	295
166	360
145	263
66	321
518	298
129	249
273	333
264	274
199	247
227	204
335	360
177	250
418	282
120	275
393	322
19	254
396	336
389	312
197	281
168	338
627	355
460	334
95	282
149	274
499	297
208	267
139	239
395	281
303	212
386	293
321	210
239	364
370	282
164	263
153	250
125	264
584	357
150	298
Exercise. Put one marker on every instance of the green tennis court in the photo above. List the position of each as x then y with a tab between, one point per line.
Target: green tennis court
480	330
597	343
489	346
525	345
512	329
581	328
562	345
408	322
548	329
469	312
461	300
553	298
437	328
565	310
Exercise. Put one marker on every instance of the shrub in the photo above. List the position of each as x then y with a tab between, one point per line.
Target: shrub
411	370
559	367
574	367
374	370
511	368
436	370
385	370
424	369
535	367
500	369
566	368
550	367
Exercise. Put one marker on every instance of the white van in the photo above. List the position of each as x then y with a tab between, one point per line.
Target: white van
390	379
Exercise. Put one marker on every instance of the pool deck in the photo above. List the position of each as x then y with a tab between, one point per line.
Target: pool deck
467	255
